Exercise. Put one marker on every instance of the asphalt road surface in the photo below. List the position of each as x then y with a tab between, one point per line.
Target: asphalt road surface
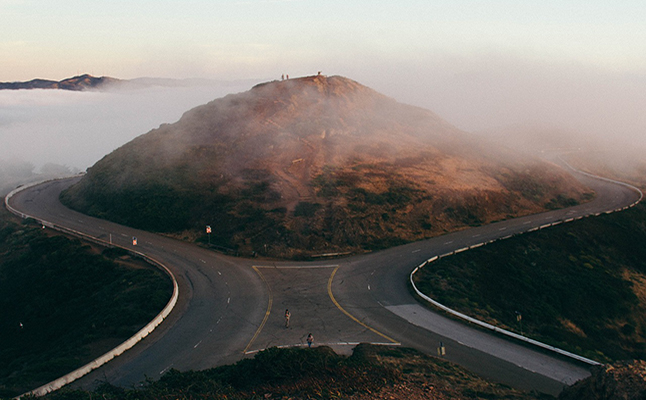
230	308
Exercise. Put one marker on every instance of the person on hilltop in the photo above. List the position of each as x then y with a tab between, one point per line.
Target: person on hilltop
287	317
310	340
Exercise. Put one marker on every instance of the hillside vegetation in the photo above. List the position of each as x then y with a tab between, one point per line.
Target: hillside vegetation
64	304
580	286
314	165
372	372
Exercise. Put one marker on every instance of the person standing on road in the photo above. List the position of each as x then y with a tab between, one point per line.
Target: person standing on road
310	340
287	316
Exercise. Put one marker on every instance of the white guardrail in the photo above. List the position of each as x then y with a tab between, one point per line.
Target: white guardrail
128	344
504	331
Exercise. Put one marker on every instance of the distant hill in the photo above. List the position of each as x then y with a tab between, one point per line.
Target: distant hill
89	82
314	165
77	83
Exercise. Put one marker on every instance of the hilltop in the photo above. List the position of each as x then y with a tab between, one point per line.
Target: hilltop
314	165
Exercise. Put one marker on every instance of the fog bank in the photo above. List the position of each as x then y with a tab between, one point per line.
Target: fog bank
77	129
488	91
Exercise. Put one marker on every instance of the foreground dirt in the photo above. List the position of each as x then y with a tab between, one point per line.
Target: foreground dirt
624	380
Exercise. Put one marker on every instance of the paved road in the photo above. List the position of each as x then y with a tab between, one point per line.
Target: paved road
230	308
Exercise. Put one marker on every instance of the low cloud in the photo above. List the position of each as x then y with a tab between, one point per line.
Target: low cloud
78	128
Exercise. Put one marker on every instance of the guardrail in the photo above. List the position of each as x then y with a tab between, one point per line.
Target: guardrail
128	344
504	331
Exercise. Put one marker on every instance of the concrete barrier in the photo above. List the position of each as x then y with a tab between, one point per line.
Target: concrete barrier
128	344
493	327
503	331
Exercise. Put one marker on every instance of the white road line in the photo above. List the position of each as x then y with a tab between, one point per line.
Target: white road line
449	242
502	229
284	346
229	300
416	251
297	266
195	347
203	262
528	222
476	235
219	273
368	287
165	369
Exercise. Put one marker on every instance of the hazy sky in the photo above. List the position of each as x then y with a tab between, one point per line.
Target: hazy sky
484	64
242	38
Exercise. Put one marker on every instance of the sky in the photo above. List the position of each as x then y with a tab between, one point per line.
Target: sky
482	65
243	38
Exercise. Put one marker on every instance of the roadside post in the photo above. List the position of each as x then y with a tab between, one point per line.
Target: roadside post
441	351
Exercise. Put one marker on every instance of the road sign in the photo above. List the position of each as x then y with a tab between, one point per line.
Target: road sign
208	229
134	241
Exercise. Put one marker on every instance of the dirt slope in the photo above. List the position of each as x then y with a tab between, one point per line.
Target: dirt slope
314	165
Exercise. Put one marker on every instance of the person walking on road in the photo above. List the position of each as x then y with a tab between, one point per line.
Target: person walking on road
287	316
310	340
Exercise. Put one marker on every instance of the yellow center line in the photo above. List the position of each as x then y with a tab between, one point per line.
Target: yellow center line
329	291
262	324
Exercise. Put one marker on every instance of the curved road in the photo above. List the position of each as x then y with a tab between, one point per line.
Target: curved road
230	308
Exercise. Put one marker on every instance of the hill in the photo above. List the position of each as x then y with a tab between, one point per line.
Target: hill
89	82
579	286
76	83
314	165
65	303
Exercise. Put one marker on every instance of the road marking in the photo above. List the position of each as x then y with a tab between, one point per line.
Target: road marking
229	300
285	346
204	262
264	320
296	266
528	222
195	347
476	235
415	251
329	291
368	287
449	242
165	369
502	229
219	273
